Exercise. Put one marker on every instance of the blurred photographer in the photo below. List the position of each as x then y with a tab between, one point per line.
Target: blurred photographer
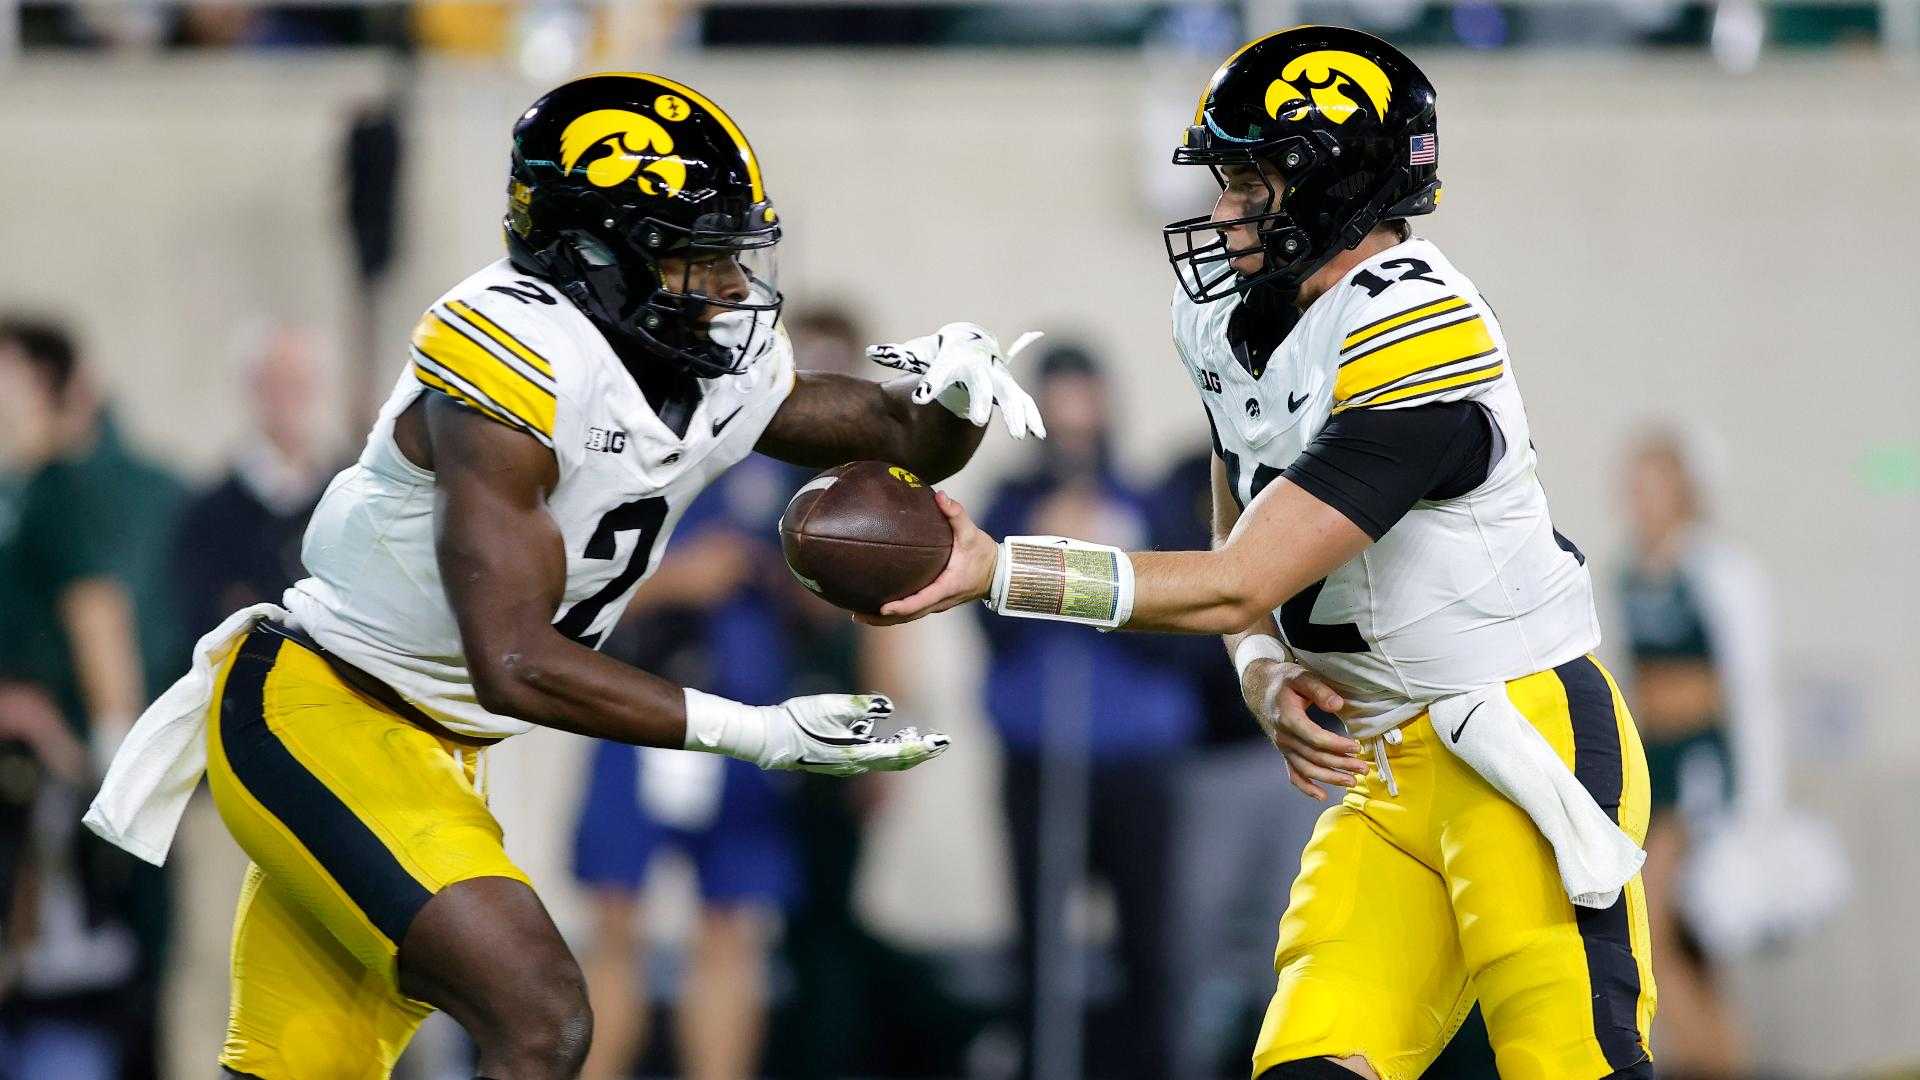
83	524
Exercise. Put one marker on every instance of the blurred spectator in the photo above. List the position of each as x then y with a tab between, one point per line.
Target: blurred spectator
1110	710
1697	626
87	623
831	956
827	337
711	617
239	541
1238	828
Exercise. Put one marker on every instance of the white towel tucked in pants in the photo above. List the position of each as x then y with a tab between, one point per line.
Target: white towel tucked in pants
156	769
1482	728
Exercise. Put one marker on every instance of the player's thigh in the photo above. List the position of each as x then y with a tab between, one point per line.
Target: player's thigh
487	952
302	1005
1368	960
1567	991
356	816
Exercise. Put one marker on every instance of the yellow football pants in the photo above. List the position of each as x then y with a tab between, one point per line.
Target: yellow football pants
1408	908
353	818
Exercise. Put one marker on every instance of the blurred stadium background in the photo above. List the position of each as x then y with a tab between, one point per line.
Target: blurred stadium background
1698	215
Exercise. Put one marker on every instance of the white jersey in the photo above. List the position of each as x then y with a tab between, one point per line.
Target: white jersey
517	350
1460	593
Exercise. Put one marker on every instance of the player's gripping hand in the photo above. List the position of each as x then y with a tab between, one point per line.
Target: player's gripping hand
967	576
961	366
823	733
1279	692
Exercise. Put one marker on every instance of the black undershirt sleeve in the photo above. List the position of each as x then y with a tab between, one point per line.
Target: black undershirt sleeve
1372	465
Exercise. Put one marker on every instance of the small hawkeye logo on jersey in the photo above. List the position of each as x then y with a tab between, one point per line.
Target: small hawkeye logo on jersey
609	440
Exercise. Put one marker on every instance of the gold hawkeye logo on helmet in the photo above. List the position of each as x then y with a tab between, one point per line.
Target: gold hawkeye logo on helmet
638	145
1337	82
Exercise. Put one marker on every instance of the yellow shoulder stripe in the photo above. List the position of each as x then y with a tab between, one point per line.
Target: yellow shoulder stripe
428	378
1439	346
461	360
1374	329
1469	377
492	329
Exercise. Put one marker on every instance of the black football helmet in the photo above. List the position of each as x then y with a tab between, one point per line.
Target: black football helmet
613	172
1345	120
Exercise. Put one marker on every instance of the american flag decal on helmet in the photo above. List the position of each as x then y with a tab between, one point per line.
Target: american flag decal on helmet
1423	149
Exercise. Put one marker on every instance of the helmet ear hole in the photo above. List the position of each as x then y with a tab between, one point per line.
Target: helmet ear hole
592	251
1352	186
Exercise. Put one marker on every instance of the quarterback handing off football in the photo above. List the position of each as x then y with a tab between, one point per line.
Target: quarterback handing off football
865	533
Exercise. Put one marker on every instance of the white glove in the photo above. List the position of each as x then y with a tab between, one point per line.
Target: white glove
822	733
961	365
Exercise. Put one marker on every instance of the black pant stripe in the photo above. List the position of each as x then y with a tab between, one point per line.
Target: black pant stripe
1596	732
1598	765
343	844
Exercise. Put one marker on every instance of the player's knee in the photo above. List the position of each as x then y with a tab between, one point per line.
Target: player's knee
1319	1068
550	1029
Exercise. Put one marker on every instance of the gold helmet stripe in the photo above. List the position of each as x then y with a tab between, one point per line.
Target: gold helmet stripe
1200	108
739	139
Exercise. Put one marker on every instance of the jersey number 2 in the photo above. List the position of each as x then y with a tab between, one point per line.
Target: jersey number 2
644	516
1296	621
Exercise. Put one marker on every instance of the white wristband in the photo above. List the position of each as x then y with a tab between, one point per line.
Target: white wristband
1257	647
720	725
1066	580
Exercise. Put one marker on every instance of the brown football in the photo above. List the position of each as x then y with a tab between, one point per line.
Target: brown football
865	533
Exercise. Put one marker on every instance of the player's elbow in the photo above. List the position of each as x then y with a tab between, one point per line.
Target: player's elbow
1239	599
509	680
1234	613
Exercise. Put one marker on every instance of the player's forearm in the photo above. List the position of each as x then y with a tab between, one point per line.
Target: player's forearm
934	442
1226	515
1286	541
927	439
1201	592
831	419
554	682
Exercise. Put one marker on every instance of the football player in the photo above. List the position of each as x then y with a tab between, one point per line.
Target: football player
559	411
1382	544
